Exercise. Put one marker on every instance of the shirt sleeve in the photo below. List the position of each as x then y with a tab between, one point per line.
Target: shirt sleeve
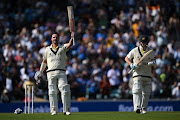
130	55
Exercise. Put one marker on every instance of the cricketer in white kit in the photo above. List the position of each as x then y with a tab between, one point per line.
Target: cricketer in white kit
55	60
142	74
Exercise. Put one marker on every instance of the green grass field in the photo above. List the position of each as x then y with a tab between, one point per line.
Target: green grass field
94	116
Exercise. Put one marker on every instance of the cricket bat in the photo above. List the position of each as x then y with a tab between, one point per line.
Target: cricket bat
144	56
71	20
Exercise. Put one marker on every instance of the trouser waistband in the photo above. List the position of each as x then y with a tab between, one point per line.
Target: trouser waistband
142	76
55	70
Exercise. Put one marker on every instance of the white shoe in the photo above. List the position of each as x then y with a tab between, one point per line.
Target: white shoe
67	113
54	113
143	112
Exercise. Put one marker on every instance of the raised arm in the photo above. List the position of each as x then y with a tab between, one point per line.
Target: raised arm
70	43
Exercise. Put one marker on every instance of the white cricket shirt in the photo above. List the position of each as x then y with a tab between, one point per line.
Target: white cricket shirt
144	69
56	59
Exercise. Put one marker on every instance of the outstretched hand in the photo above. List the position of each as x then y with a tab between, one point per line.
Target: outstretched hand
37	75
72	34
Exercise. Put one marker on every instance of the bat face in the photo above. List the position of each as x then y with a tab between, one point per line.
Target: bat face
71	18
72	25
144	56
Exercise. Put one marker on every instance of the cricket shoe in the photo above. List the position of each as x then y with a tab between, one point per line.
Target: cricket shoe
54	113
138	111
67	113
143	112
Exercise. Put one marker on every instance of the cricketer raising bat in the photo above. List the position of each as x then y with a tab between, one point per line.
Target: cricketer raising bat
144	56
71	20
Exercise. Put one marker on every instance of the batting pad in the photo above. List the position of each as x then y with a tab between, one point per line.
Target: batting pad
66	97
146	93
137	94
52	86
53	102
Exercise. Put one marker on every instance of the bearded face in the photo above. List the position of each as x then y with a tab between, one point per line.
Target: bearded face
144	45
54	39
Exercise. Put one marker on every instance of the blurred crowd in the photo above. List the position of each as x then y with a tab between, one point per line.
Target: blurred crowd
106	30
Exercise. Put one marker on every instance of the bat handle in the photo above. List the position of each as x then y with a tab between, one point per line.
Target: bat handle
130	71
73	38
133	69
73	41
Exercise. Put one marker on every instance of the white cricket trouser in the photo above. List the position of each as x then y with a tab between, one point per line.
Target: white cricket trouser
141	91
55	82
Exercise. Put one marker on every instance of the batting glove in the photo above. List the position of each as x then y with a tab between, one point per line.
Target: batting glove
72	34
37	75
152	62
133	66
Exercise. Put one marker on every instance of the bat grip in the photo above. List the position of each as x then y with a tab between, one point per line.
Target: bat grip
73	39
133	69
130	71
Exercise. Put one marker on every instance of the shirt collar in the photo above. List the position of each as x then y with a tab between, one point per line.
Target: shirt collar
52	46
141	48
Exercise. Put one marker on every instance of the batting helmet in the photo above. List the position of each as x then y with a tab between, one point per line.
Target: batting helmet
41	84
144	39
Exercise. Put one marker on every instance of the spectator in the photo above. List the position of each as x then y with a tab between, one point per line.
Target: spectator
173	28
117	22
93	87
5	96
177	54
41	51
113	75
81	79
161	37
8	52
176	91
156	85
125	89
152	43
136	27
110	39
172	46
87	37
105	87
